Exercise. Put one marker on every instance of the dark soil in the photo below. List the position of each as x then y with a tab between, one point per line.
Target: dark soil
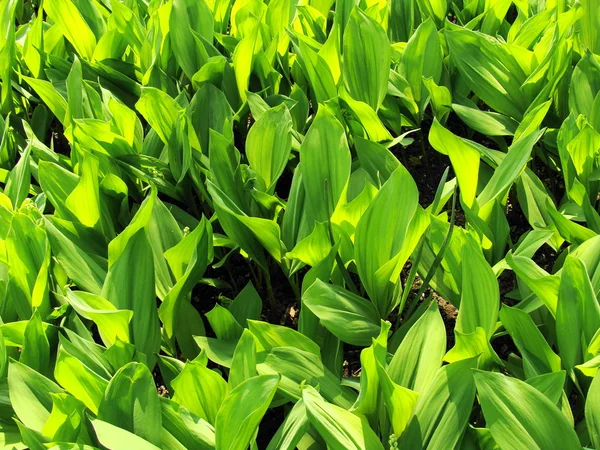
60	142
269	425
238	274
449	314
427	168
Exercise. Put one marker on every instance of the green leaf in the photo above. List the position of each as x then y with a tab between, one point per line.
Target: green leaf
75	92
218	351
160	110
32	440
224	161
252	234
470	345
294	225
442	412
129	25
135	291
189	324
291	430
86	270
340	429
313	248
270	336
494	16
367	58
122	353
74	27
57	183
131	403
7	54
592	411
399	401
19	180
588	24
441	99
268	145
368	402
298	367
584	85
30	395
480	295
243	59
188	429
349	317
402	20
538	357
223	323
200	390
550	384
27	251
209	110
180	150
420	354
163	233
509	169
188	261
242	411
243	364
381	247
187	18
544	285
532	120
115	438
375	159
488	123
112	323
366	116
247	305
35	352
520	417
435	9
3	357
422	58
577	313
66	419
326	160
489	69
84	200
78	379
87	352
318	73
464	158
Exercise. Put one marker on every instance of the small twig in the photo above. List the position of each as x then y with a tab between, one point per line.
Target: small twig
409	282
253	273
438	258
294	284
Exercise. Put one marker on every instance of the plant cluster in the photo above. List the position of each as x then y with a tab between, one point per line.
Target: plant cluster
211	236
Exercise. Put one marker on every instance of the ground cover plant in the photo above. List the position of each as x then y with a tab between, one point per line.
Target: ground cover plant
316	224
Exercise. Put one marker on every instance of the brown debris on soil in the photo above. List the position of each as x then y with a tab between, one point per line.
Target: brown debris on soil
162	391
449	314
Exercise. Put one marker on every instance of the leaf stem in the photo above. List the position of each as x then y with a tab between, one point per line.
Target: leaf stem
409	282
338	259
438	258
270	294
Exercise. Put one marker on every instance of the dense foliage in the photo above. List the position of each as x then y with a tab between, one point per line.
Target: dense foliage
212	237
